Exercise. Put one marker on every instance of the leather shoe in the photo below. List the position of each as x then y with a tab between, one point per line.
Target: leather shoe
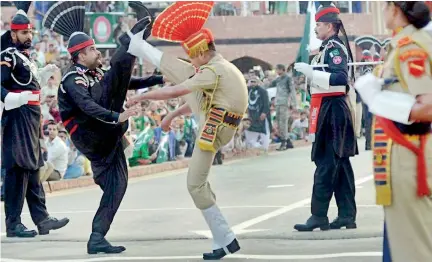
51	223
98	244
220	253
312	223
347	222
20	231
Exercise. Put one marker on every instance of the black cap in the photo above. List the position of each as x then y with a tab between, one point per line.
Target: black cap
79	41
20	21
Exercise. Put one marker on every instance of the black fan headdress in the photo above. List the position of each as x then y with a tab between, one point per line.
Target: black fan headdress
67	19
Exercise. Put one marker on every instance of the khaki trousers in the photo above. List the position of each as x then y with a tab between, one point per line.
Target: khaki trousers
199	168
409	218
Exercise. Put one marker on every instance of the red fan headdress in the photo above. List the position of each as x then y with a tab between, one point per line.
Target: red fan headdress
183	22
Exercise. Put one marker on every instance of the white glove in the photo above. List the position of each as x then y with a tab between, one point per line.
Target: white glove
368	86
15	100
305	69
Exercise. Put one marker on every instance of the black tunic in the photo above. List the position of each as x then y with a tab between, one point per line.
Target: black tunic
258	104
20	126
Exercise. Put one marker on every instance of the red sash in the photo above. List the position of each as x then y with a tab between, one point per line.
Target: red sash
315	108
35	92
393	132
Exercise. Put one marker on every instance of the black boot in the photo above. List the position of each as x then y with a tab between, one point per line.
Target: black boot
20	231
220	253
98	244
282	146
289	144
312	223
347	222
51	223
219	158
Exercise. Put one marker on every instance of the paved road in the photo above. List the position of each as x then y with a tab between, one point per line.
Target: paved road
262	197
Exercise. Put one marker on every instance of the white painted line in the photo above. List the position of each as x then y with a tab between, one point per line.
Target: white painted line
208	234
286	209
240	256
278	186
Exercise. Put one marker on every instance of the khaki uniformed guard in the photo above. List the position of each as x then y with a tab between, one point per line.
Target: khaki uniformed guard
215	92
402	141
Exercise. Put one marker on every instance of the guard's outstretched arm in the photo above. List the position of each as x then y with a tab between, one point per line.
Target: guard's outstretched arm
145	82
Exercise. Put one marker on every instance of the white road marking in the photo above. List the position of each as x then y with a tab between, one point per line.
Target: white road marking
239	256
278	186
242	227
286	209
208	234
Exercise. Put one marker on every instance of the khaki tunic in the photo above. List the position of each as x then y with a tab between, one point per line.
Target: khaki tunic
409	218
226	85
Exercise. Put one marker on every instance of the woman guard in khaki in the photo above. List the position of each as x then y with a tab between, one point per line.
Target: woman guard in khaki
215	92
402	134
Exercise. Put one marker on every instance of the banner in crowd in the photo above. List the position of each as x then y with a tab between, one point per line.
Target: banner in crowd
104	28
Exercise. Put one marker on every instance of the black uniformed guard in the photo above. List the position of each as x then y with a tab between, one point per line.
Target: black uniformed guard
21	151
332	126
91	107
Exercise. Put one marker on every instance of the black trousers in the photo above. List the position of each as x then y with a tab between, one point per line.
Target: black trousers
112	179
21	184
334	175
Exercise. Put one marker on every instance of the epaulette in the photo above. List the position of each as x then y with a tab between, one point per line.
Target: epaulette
80	71
80	79
404	41
11	50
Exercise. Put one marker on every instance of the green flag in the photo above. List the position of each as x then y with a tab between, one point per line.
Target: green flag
309	41
163	148
141	149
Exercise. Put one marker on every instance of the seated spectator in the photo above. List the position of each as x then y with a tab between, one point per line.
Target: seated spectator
300	127
143	153
57	153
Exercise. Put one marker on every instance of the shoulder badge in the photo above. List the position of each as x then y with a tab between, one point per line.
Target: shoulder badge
416	67
414	53
405	41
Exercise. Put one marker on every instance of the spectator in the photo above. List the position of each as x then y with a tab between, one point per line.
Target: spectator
299	126
57	153
52	54
143	153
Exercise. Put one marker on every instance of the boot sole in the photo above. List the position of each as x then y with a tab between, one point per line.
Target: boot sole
93	252
27	236
322	228
349	226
